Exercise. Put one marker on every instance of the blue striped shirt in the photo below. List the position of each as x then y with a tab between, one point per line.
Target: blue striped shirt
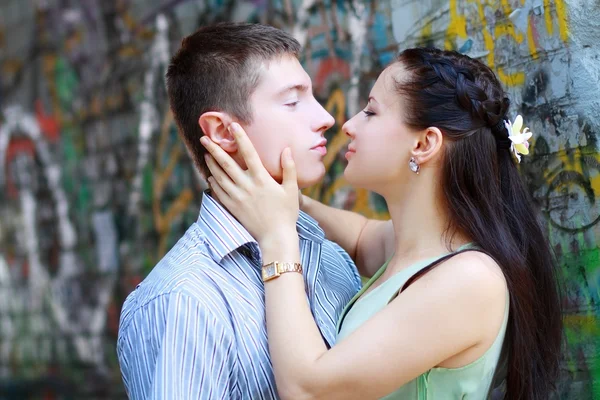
195	327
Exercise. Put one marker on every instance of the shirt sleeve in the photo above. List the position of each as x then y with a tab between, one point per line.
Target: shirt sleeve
174	348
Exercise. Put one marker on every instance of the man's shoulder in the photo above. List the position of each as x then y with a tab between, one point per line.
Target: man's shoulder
337	252
338	262
309	229
189	260
186	271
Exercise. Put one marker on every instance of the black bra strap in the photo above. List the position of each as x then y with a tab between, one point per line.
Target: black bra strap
437	262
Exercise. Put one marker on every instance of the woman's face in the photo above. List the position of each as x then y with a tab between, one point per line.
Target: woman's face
381	143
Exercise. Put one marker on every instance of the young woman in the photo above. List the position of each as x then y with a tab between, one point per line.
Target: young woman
463	292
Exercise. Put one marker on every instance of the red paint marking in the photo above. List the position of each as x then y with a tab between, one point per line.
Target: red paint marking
328	67
48	124
534	33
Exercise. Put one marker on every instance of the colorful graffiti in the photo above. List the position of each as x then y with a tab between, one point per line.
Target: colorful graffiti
96	185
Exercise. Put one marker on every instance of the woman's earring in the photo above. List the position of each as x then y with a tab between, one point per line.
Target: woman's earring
413	165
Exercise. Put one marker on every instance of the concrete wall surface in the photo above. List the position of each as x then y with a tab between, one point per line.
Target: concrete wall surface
95	185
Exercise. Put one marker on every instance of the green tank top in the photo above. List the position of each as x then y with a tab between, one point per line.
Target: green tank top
472	381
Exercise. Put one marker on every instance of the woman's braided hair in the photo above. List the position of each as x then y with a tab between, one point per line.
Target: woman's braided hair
487	200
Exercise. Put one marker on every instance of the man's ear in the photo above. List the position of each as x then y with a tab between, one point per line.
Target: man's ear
215	125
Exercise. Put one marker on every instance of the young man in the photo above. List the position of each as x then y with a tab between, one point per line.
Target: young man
195	327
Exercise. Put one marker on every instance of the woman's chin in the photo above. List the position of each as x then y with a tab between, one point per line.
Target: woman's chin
350	176
358	180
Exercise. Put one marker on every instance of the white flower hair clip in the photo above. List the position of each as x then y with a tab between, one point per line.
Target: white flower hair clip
519	139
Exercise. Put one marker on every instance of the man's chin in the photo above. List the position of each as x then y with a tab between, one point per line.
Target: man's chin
308	180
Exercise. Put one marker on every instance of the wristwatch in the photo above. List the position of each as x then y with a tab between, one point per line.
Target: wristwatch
276	268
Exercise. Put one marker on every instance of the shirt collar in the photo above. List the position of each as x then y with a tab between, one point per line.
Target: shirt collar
225	234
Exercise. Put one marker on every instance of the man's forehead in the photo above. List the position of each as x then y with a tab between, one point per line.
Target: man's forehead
284	75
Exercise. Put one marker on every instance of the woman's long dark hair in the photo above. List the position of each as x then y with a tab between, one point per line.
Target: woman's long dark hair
488	201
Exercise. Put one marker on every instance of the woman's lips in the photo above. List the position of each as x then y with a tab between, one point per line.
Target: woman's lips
350	153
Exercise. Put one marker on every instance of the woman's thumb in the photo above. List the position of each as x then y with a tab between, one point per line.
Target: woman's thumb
289	169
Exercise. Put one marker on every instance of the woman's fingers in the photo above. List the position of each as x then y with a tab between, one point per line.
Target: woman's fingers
220	176
290	180
219	192
247	150
224	160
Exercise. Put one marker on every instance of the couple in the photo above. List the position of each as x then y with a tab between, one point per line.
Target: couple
259	300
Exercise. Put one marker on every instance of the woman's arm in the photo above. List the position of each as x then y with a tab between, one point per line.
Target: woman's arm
443	314
448	311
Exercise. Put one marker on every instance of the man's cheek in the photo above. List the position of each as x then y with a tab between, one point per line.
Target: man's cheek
272	163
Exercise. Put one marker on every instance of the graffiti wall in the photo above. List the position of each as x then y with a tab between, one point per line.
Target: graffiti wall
96	185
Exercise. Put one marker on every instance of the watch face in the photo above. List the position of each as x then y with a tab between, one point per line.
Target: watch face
270	270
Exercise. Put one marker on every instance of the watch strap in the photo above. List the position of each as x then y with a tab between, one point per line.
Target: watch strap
276	268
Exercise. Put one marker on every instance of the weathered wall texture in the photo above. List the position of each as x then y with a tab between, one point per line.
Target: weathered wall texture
96	187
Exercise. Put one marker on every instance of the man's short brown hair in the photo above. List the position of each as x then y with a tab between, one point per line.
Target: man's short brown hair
217	68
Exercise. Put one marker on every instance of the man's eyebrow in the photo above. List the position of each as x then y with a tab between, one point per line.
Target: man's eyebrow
291	88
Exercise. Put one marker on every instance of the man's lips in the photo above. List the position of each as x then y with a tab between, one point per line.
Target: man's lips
321	147
322	143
